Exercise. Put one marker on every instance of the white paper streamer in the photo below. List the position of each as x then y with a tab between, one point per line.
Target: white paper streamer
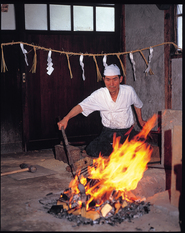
49	64
24	52
105	61
82	65
133	65
150	58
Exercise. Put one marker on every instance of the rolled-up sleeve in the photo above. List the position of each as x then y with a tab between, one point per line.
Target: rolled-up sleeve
90	104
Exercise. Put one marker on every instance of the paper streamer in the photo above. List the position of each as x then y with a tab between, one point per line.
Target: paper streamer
82	65
105	61
24	52
49	64
149	60
150	71
133	64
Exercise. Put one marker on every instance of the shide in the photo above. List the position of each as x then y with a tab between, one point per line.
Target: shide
108	197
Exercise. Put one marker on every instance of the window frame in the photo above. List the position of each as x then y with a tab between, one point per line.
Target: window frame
49	31
177	53
10	30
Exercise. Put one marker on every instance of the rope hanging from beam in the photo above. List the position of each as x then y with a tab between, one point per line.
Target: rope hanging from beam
99	77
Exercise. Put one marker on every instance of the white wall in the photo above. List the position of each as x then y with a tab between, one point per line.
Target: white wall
144	25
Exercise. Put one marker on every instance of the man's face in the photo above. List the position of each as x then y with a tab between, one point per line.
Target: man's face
112	83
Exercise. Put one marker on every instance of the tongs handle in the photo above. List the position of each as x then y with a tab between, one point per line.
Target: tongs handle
70	158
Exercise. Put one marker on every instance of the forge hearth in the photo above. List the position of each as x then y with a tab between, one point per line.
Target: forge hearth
116	214
132	210
105	196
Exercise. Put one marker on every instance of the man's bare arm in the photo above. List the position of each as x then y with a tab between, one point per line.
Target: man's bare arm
74	112
139	116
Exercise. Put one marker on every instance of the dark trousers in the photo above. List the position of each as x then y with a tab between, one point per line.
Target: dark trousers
103	142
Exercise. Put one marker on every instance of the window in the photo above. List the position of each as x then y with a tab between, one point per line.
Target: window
35	16
105	17
69	17
83	18
7	17
179	15
60	18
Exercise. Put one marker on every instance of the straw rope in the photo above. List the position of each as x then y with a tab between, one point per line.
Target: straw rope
99	77
89	54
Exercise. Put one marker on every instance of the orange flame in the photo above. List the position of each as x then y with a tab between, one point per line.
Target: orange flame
121	171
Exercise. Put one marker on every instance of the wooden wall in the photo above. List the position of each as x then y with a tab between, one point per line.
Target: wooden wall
51	96
30	109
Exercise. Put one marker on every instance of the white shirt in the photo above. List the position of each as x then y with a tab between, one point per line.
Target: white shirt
115	115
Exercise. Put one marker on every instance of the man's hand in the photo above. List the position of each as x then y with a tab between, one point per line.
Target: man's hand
139	116
74	111
142	123
63	123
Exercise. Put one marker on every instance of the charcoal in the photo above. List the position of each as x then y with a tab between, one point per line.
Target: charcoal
92	203
70	217
76	197
46	208
78	223
87	221
137	215
48	201
146	209
110	214
65	197
102	221
74	204
97	221
59	215
64	214
49	194
112	211
133	210
55	209
116	217
111	223
97	208
151	229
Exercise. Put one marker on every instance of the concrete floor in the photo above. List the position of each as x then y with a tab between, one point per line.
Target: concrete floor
21	210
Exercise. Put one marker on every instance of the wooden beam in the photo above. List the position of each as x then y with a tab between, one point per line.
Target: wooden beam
168	36
122	38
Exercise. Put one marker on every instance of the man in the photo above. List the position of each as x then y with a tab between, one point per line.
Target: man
114	103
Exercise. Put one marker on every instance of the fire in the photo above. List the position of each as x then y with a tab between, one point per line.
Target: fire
120	173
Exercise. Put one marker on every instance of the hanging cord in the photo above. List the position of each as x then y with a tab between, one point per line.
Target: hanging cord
123	69
34	66
69	66
3	64
99	77
89	54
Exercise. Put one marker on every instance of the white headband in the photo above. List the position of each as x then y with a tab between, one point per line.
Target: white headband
111	70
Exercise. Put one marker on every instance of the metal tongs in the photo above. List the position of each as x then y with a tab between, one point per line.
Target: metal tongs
70	159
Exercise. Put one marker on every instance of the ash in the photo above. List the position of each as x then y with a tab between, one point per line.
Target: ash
133	210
